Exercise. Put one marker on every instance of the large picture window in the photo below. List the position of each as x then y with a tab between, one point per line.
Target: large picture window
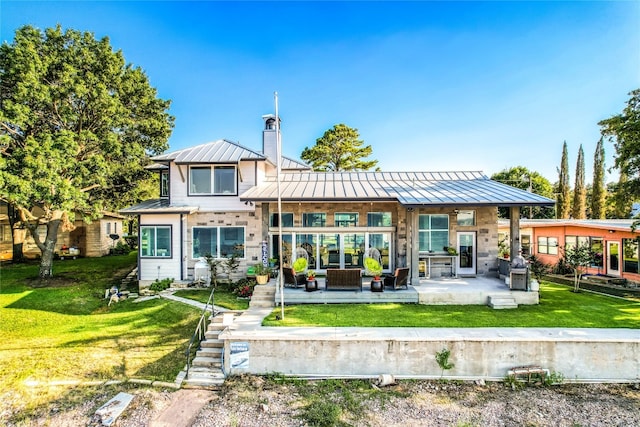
218	242
346	219
630	256
548	245
217	180
379	219
314	219
155	241
433	232
287	219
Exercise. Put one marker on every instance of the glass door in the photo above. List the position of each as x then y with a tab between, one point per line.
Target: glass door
466	253
613	258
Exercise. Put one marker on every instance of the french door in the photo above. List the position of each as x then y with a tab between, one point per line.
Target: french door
613	258
466	253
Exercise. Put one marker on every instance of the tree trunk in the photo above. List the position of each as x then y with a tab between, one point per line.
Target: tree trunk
46	262
18	235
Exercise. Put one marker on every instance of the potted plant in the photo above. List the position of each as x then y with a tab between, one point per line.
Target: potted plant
262	273
299	265
311	275
373	268
451	250
272	262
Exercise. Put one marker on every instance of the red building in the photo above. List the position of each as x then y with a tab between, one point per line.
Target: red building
614	243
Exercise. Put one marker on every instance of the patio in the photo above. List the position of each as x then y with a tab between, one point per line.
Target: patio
440	291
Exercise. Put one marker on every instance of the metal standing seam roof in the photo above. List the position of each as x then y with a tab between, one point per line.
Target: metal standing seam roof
408	188
608	224
157	206
220	151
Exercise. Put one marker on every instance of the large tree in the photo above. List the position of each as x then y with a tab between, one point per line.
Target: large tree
563	205
598	190
339	149
624	131
524	179
579	207
76	127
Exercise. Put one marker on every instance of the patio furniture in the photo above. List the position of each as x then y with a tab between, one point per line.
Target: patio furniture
397	280
293	280
343	279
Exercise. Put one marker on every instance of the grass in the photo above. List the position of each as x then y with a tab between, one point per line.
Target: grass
222	297
559	307
66	331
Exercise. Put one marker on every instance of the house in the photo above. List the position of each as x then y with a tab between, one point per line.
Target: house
615	244
221	199
93	239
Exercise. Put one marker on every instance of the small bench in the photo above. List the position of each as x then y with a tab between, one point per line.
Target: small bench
528	373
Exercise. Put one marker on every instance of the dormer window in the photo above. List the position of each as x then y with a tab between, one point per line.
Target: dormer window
164	183
212	180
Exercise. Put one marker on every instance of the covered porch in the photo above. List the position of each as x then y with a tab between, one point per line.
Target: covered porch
438	291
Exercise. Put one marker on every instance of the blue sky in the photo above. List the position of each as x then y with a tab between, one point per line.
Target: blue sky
432	86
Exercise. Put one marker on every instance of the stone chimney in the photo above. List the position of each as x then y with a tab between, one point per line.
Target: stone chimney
269	138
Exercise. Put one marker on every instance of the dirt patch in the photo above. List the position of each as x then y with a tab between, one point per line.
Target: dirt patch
57	281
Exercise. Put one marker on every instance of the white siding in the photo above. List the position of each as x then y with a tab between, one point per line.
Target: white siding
162	268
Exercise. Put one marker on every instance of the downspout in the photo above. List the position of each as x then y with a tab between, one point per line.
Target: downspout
181	247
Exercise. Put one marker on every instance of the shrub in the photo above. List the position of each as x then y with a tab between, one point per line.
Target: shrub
160	285
121	248
243	288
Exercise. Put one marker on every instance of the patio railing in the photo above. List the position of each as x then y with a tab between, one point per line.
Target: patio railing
201	329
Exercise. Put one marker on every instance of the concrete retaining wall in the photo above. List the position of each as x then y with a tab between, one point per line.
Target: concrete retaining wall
578	354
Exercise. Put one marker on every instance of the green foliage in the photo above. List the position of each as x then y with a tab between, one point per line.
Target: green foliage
622	131
563	205
339	149
521	177
321	413
300	265
578	258
261	270
554	378
598	191
223	297
538	268
76	127
372	267
160	285
442	359
121	248
579	207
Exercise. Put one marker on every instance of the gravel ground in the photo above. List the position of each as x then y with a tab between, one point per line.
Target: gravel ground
254	401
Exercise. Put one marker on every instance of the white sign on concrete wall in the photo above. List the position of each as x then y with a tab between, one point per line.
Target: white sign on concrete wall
240	355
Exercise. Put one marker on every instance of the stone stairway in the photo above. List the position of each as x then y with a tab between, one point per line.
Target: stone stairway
131	280
499	302
264	295
206	368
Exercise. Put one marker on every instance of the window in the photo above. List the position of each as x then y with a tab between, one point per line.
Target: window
164	183
155	241
379	219
342	219
630	256
466	218
314	219
572	241
548	245
222	181
218	242
433	232
108	228
287	219
597	251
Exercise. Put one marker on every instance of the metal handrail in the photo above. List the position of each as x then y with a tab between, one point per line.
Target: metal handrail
201	329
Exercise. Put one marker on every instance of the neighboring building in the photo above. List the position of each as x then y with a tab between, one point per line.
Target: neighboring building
613	241
93	239
221	198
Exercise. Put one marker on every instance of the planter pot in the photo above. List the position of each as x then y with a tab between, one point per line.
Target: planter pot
311	285
262	280
376	286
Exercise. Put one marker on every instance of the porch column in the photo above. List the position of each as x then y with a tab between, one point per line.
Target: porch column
514	231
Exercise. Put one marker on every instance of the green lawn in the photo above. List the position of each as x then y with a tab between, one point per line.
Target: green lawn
559	307
67	332
222	298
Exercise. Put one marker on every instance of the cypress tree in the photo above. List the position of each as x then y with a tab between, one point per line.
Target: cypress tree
598	193
579	191
563	205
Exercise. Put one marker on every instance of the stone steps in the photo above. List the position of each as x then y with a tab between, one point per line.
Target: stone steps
501	302
263	296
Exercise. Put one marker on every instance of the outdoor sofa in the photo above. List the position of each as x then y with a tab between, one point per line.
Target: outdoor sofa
345	279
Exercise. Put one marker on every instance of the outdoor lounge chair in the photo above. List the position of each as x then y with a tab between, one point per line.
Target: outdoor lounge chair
397	280
293	280
343	279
